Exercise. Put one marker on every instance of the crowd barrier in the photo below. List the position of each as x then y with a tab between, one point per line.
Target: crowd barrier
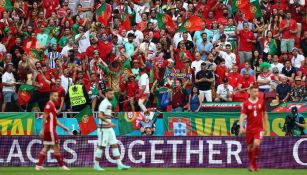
189	152
168	124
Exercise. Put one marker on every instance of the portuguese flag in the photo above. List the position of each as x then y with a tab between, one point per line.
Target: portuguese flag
194	23
24	93
103	13
86	121
251	10
126	23
237	4
165	22
129	122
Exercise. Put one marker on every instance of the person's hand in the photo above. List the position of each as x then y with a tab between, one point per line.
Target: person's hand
112	125
65	129
242	130
41	134
248	40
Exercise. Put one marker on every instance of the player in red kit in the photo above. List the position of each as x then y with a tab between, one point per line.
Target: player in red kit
48	132
257	123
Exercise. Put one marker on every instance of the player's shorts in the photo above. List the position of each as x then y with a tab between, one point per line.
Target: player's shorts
50	138
251	136
106	136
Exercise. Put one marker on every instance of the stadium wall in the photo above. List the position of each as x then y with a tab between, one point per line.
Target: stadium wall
190	152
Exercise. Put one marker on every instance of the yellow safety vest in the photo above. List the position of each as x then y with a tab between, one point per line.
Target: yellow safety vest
76	95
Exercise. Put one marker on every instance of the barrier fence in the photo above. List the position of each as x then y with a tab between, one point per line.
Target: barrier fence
127	123
189	152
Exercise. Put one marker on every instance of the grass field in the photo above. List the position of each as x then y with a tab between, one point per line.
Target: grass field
150	171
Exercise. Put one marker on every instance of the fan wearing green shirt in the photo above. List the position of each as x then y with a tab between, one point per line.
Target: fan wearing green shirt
158	89
64	39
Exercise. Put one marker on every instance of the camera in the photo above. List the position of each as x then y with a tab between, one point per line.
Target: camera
235	128
76	132
289	125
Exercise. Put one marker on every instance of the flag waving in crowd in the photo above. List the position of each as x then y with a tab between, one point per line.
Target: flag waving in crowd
103	13
86	121
194	23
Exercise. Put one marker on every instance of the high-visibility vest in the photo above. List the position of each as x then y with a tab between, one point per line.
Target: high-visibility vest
76	95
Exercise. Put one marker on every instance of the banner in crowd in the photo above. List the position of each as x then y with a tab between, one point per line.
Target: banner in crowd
17	123
286	107
185	152
213	124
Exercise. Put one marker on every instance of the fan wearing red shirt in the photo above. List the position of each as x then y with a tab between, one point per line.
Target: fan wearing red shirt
288	28
246	81
234	77
48	133
61	92
105	47
42	82
256	125
247	41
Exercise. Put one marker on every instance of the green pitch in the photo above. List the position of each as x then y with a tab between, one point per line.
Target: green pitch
150	171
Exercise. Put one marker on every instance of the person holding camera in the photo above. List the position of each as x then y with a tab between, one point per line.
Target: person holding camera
295	124
147	126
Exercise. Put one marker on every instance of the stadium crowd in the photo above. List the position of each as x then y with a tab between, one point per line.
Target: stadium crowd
55	44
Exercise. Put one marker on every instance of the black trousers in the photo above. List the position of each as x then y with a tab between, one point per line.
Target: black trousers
41	98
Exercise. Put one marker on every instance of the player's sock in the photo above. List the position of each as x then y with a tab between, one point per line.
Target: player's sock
250	157
256	154
115	152
58	157
41	158
98	154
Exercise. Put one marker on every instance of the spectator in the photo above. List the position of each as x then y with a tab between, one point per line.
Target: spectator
196	64
247	41
204	79
283	90
224	92
277	64
298	91
289	71
147	126
264	79
234	77
159	92
297	59
42	81
61	92
131	87
288	29
178	95
53	56
9	87
229	57
302	72
83	39
204	47
195	100
144	89
247	67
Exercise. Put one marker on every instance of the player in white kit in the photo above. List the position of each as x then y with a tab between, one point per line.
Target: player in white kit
106	134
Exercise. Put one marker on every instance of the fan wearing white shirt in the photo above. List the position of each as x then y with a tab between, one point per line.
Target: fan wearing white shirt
276	64
196	65
83	39
138	35
139	9
144	87
68	47
224	92
9	89
229	57
297	59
